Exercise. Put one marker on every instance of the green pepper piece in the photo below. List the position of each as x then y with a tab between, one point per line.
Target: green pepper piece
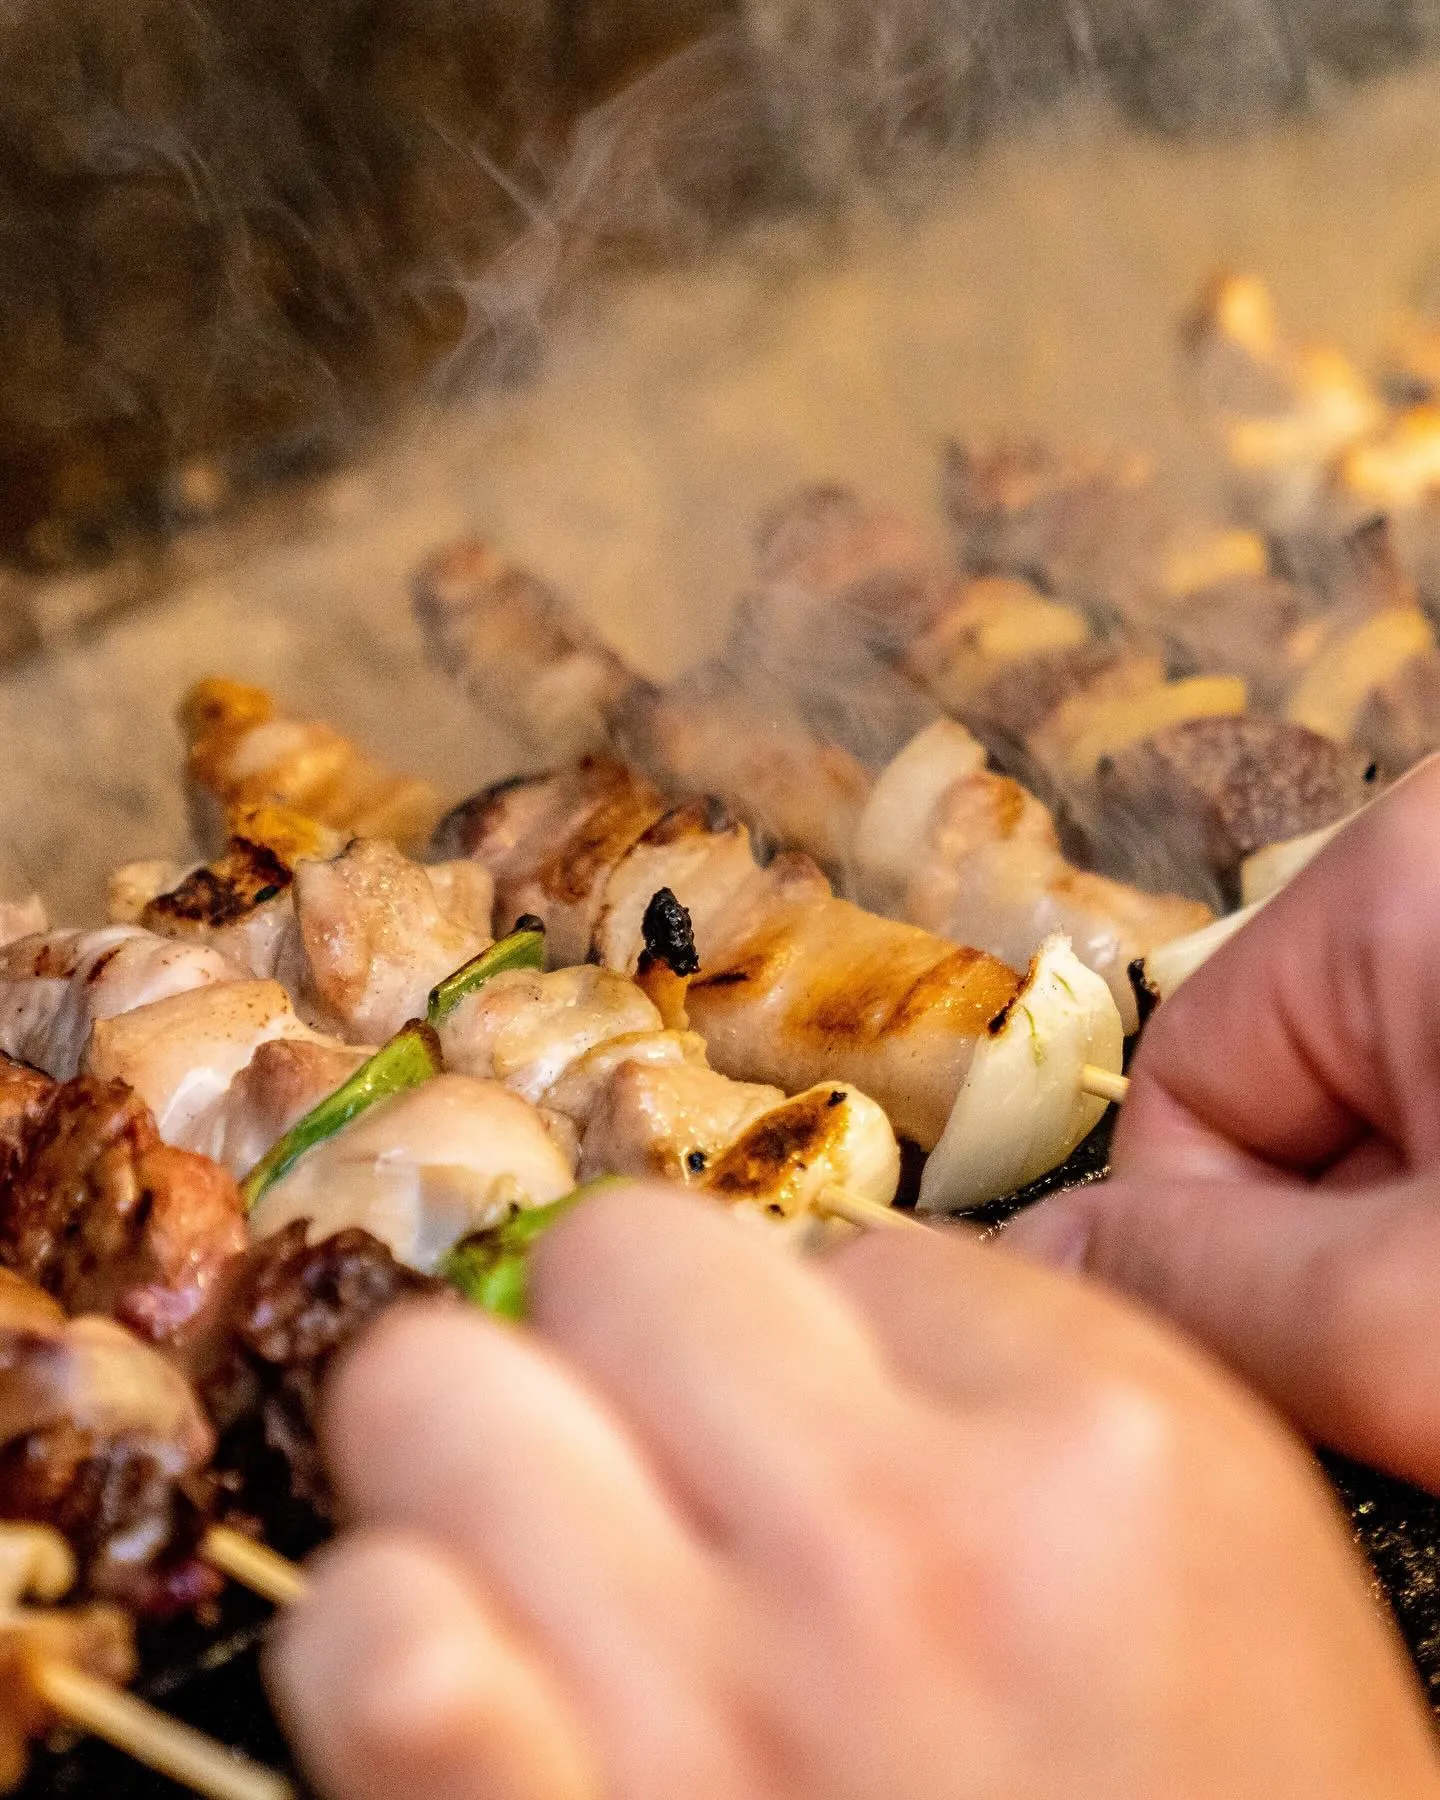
410	1057
491	1268
523	949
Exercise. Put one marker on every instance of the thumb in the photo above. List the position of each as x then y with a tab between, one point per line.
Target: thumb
1326	1300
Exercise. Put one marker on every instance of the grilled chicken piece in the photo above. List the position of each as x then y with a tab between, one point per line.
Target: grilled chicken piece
226	1069
244	752
96	1210
586	1043
795	986
522	651
36	1565
56	984
972	856
359	938
1211	791
378	932
102	1438
289	1310
421	1169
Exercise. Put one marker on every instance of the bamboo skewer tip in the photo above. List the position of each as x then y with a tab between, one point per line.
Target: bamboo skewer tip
1104	1084
151	1737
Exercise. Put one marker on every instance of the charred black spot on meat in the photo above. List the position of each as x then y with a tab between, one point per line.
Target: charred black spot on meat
101	964
669	936
247	876
695	1161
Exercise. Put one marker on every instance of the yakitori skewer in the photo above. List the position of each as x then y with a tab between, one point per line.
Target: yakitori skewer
151	1737
46	1648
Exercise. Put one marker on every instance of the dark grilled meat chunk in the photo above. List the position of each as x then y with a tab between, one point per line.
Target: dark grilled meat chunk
290	1309
1213	790
103	1439
25	1096
100	1213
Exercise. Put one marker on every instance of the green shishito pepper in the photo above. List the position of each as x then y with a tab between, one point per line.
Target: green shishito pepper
524	948
491	1268
410	1057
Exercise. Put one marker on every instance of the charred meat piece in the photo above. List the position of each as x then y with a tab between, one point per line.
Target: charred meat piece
522	651
1213	790
290	1308
103	1439
713	733
97	1211
25	1097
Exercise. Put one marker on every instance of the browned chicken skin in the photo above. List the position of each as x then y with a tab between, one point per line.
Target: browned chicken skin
795	985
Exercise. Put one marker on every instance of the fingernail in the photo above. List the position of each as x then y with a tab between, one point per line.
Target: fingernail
1052	1233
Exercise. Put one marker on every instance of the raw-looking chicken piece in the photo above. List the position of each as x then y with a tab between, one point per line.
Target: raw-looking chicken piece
54	985
795	986
358	934
96	1210
421	1168
588	1044
245	752
971	855
103	1438
523	652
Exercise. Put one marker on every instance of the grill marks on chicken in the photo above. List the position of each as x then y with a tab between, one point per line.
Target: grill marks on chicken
795	986
586	1044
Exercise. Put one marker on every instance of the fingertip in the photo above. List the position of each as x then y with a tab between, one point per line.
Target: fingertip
392	1681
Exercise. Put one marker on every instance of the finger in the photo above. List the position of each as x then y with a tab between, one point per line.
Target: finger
447	1424
755	1388
393	1681
1316	1024
1324	1299
969	1326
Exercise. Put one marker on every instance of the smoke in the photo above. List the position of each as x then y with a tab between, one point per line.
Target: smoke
246	231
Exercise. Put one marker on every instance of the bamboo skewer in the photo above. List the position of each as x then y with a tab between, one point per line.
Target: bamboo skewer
870	1215
255	1566
1104	1084
151	1737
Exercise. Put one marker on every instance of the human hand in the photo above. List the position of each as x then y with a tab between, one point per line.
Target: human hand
1276	1168
926	1523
